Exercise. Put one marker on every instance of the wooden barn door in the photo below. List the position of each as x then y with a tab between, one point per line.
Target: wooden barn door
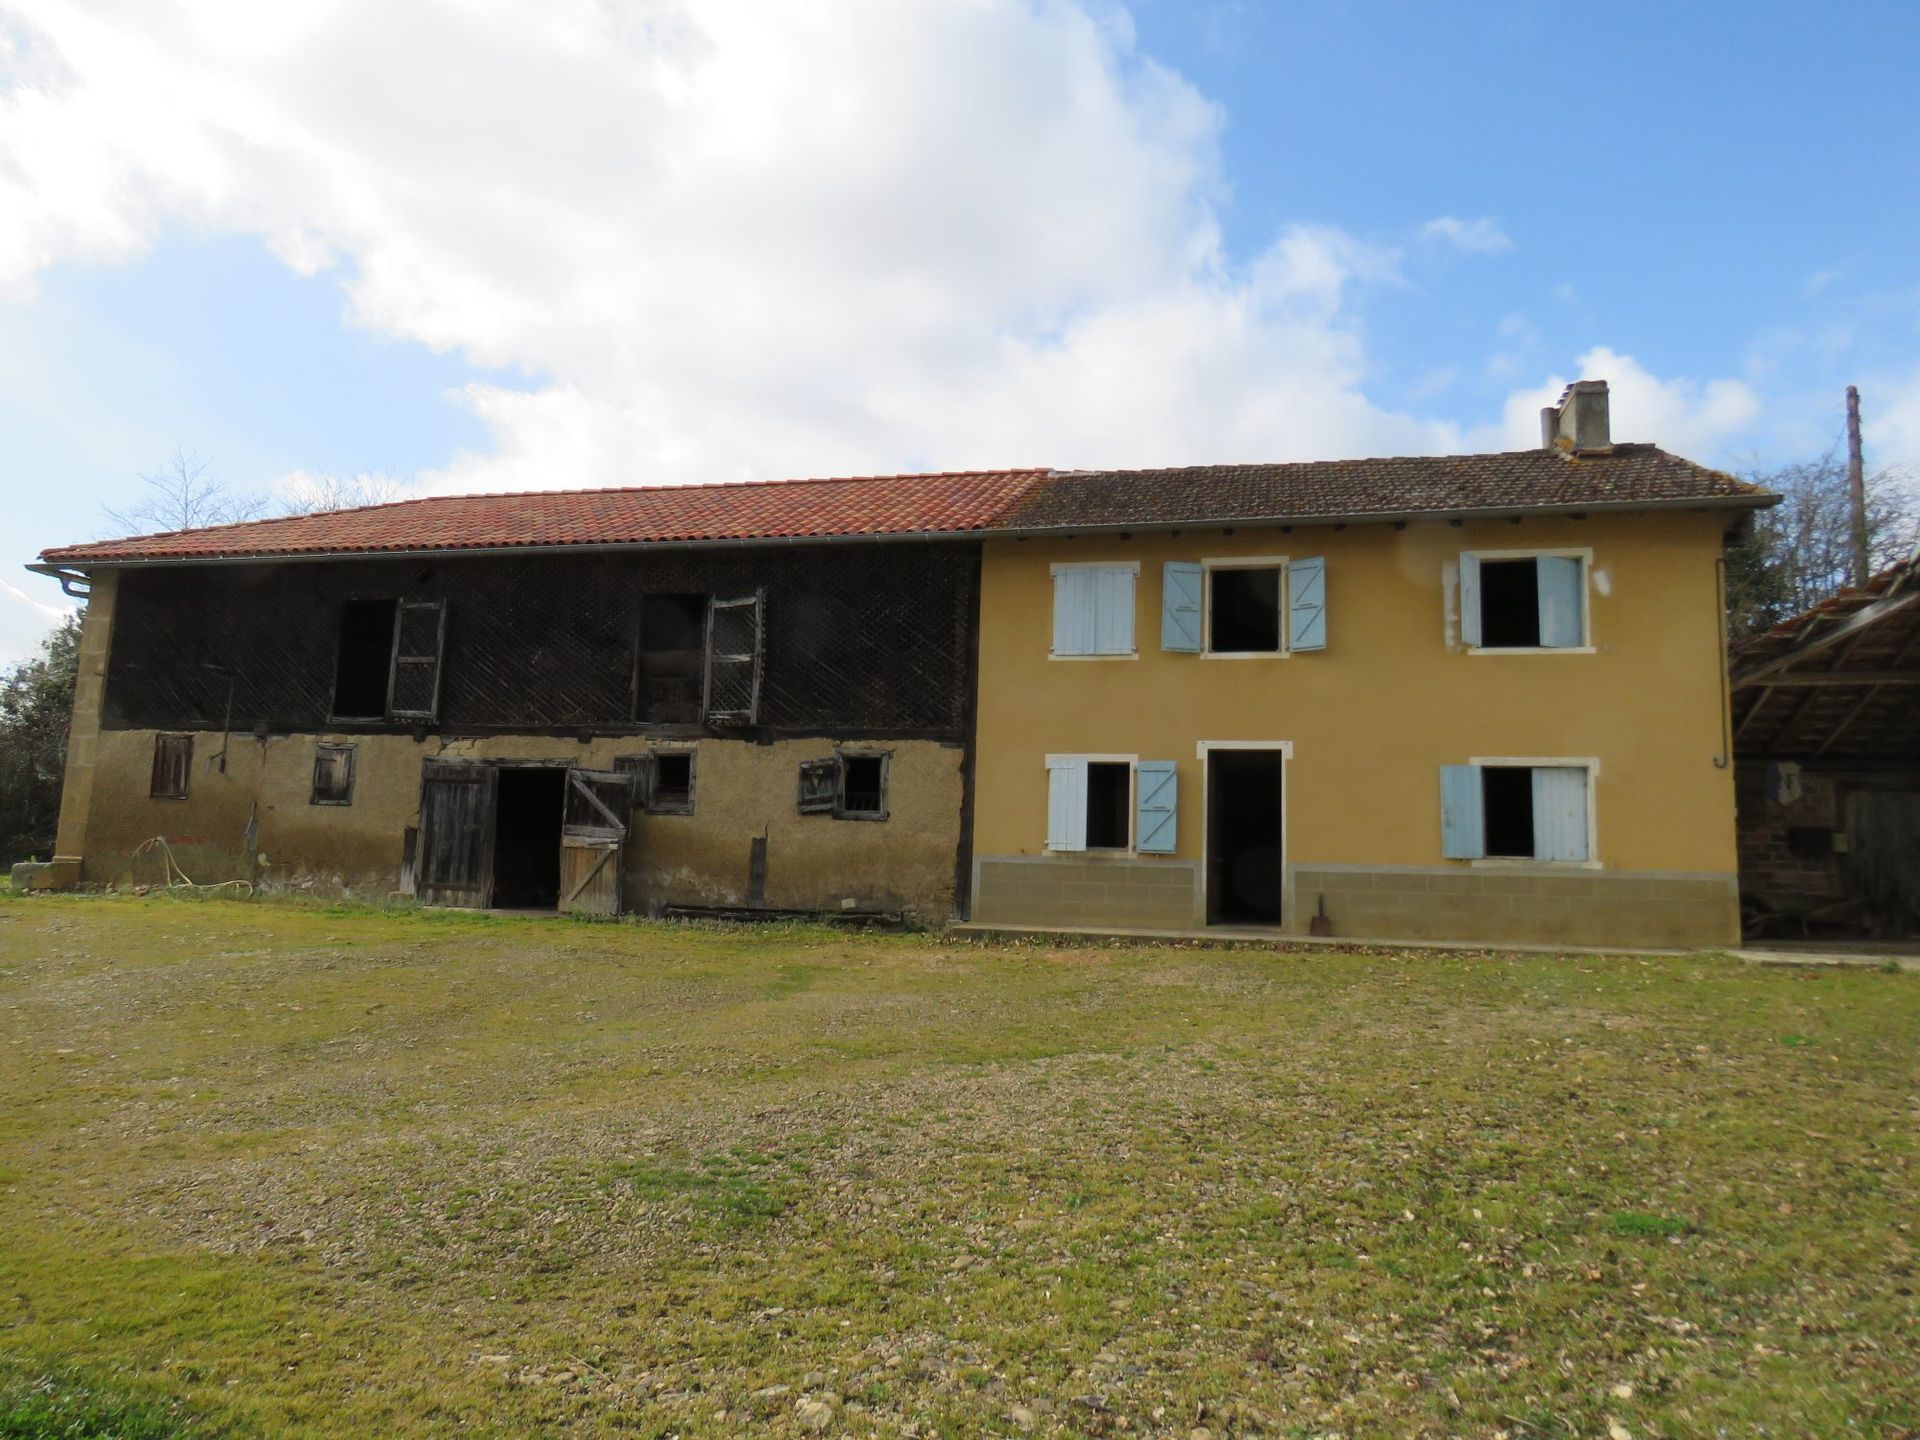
454	865
593	837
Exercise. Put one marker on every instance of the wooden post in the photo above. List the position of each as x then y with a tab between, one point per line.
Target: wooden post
1857	486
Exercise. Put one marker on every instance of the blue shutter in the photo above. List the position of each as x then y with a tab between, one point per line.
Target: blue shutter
1073	605
1113	609
1157	783
1066	804
1469	599
1180	606
1307	604
1560	812
1560	584
1463	821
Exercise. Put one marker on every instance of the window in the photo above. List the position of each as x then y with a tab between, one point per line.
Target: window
732	688
1093	609
1517	810
387	663
363	667
332	775
172	767
672	783
850	786
1241	608
671	664
1090	803
662	780
1512	600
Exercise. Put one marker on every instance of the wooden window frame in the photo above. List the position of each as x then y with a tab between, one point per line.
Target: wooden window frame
653	805
1132	762
353	765
841	756
160	742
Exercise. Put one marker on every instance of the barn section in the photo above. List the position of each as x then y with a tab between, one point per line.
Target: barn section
604	700
1826	724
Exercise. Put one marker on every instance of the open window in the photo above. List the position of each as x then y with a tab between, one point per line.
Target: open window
1517	810
1515	600
1090	803
332	775
387	662
172	767
662	779
852	785
670	669
1244	608
732	688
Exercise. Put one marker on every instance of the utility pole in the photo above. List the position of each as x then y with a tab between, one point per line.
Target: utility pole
1857	486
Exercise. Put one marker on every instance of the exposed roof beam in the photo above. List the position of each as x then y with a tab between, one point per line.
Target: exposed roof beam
1796	679
1845	630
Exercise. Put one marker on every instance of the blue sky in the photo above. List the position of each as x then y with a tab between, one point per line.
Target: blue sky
726	242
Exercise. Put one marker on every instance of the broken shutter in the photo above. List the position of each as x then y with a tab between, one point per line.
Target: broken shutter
1469	599
733	660
419	637
639	770
1559	579
1307	604
172	767
1180	606
1157	786
454	860
1560	812
1463	821
593	834
819	785
1066	804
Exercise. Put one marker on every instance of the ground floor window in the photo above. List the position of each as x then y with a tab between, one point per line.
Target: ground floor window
172	767
1517	810
332	775
1089	802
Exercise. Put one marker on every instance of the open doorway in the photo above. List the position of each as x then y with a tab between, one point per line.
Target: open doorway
1245	837
526	843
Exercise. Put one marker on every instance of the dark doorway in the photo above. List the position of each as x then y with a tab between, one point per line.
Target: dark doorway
526	844
363	663
1244	837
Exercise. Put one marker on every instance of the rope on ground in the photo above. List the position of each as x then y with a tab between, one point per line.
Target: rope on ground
174	878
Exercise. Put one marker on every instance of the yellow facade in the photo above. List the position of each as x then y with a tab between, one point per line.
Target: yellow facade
1367	724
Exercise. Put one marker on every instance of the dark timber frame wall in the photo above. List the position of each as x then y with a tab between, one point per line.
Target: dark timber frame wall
869	641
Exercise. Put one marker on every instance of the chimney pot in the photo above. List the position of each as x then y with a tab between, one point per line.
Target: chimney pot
1579	424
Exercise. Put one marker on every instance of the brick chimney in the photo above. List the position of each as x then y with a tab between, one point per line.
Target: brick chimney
1578	425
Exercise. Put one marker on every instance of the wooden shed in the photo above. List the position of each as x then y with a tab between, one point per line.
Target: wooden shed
1826	727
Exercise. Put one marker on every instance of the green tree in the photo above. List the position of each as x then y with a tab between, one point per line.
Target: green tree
36	706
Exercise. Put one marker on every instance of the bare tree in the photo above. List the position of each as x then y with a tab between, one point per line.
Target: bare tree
312	494
185	496
1801	551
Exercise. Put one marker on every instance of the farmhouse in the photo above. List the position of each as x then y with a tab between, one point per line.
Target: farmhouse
1477	697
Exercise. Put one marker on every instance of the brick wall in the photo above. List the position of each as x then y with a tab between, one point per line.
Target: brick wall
1767	866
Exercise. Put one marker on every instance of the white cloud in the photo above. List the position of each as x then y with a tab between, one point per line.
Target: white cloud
1695	418
725	240
1477	237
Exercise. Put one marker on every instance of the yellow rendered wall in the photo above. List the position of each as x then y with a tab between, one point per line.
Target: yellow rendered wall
1392	698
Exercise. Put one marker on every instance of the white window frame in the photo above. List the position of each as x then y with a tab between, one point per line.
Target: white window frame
1582	553
1132	762
1589	763
1283	564
1133	621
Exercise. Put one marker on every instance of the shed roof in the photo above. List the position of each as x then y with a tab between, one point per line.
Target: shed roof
977	502
1840	681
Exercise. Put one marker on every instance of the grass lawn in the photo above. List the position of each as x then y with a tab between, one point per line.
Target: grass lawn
278	1169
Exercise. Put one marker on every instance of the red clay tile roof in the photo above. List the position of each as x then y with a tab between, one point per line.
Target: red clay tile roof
953	502
958	503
